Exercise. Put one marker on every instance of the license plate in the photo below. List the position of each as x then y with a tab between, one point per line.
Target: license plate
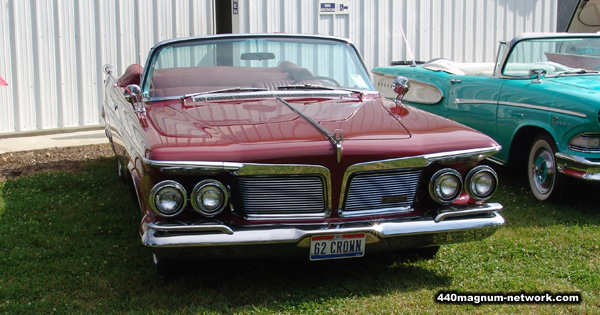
337	246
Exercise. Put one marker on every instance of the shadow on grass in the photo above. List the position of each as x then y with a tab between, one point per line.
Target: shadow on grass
70	243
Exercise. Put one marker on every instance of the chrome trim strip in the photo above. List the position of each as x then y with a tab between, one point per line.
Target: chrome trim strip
195	165
300	235
184	227
513	104
554	110
475	209
462	155
496	160
283	216
261	169
474	101
383	211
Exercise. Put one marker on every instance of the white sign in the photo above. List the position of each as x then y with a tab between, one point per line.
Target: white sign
334	7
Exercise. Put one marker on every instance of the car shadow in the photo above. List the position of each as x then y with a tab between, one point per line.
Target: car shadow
293	282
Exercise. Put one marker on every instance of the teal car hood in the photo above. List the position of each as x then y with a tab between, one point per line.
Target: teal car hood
590	82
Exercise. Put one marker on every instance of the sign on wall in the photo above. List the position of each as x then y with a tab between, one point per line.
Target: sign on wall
334	7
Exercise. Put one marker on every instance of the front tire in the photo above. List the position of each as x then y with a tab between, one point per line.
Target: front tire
545	181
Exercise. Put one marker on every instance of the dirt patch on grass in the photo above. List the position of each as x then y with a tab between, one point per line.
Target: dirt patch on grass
16	164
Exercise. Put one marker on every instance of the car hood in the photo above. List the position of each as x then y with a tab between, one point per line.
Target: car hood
588	81
272	120
268	131
585	18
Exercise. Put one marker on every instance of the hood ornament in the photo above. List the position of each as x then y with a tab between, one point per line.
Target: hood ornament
337	137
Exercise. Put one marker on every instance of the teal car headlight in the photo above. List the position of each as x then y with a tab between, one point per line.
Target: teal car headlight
585	142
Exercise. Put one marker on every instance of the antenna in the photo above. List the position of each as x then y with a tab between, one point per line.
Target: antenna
414	64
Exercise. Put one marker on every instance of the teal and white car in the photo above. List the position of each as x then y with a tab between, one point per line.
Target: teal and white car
540	100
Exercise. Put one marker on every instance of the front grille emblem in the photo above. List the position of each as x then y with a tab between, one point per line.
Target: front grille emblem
394	199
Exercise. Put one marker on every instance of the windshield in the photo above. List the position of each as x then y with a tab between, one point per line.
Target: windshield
259	63
555	55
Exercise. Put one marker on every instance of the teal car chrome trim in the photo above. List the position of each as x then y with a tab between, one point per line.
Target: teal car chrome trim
513	104
578	166
474	101
463	226
544	108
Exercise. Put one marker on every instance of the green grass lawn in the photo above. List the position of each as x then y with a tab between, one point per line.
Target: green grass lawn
69	243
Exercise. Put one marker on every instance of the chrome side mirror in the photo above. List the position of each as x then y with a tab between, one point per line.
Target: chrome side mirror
537	74
401	86
133	95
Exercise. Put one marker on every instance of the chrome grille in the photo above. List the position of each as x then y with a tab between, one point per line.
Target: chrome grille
382	191
282	196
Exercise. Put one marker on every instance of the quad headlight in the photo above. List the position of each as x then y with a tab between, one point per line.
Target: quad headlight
168	198
445	186
209	197
481	182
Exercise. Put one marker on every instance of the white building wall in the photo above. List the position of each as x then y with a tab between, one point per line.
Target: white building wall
462	30
52	51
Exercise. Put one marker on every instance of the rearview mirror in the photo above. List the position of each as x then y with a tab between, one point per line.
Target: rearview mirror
260	56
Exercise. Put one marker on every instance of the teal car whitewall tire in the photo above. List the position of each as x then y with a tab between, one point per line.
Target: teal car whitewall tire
545	181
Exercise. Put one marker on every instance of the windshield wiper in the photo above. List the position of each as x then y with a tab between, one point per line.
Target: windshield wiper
235	89
574	71
316	87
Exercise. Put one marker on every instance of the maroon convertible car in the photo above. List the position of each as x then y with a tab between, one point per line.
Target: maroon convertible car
273	144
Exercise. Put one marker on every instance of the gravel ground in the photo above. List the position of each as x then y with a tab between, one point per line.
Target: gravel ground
16	164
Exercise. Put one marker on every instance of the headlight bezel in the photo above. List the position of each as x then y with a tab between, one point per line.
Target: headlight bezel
476	173
208	186
439	179
160	187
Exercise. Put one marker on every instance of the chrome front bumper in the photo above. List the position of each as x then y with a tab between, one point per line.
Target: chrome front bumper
577	166
213	239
